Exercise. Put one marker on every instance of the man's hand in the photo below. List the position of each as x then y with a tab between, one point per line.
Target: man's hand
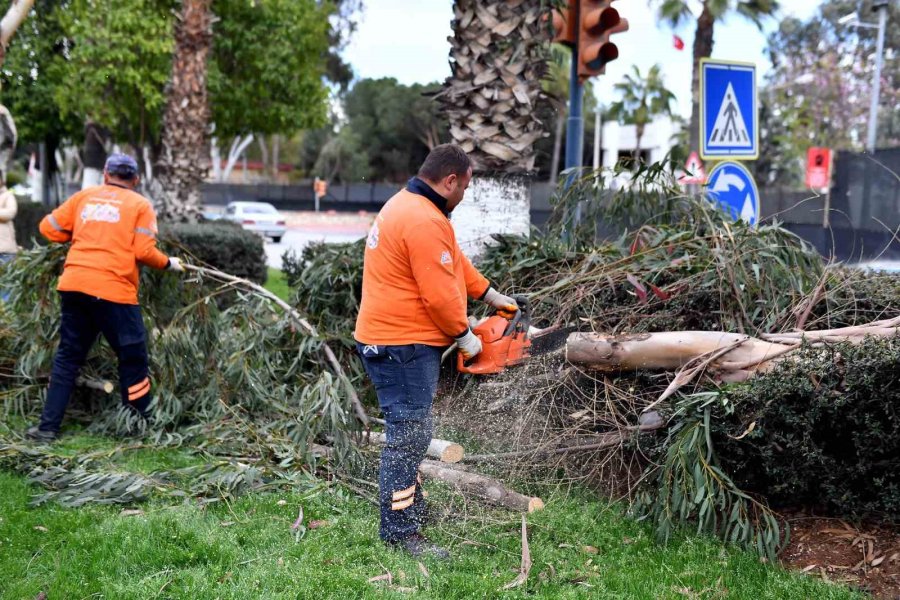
504	304
175	265
469	345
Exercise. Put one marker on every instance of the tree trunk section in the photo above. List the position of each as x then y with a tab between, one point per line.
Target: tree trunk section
442	450
481	487
183	163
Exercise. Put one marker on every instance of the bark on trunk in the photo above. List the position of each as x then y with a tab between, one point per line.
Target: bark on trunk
703	45
184	158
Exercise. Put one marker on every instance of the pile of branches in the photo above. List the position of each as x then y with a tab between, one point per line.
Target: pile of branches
248	383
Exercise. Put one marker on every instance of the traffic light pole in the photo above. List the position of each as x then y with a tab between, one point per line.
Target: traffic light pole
575	124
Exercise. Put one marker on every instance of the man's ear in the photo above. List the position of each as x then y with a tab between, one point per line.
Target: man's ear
451	181
136	181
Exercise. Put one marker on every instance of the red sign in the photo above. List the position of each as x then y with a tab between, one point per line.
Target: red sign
818	168
694	171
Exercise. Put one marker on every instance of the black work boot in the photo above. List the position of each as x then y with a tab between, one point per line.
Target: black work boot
39	435
419	546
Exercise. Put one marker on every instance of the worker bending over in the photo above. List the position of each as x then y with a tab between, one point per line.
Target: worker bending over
112	229
416	282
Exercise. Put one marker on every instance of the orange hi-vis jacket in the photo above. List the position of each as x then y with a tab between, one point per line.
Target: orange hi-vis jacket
112	229
415	277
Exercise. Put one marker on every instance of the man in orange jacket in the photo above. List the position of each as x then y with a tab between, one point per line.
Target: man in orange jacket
112	229
416	282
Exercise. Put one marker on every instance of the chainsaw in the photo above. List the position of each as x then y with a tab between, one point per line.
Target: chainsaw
506	341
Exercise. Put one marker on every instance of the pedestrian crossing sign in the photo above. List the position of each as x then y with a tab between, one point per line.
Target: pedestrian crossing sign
729	107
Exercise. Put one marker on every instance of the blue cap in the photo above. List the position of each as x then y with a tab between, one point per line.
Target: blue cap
121	165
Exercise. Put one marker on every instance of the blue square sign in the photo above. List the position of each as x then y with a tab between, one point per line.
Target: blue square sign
729	109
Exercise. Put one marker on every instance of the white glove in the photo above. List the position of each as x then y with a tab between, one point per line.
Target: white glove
500	302
175	265
469	345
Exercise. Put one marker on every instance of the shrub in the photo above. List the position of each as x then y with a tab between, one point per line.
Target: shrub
827	431
223	246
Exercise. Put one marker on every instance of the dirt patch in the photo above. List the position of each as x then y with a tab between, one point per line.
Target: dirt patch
865	557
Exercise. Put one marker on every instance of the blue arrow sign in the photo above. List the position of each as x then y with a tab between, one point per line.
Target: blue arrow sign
731	186
729	123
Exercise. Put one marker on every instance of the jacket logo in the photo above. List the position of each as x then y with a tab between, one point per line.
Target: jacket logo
105	213
373	237
446	259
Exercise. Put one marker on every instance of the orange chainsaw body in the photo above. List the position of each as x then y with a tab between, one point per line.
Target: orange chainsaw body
505	343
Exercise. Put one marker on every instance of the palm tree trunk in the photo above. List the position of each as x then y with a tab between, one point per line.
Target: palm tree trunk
557	146
703	45
183	163
638	135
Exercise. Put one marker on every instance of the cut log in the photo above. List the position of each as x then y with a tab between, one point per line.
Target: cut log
480	486
442	450
96	384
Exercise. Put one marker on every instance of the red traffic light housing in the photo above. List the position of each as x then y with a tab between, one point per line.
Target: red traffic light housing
598	20
565	24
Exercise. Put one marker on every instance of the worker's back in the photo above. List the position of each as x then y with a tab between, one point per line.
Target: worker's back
415	278
111	229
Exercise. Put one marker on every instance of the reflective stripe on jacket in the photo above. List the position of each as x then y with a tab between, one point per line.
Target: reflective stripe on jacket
415	277
112	229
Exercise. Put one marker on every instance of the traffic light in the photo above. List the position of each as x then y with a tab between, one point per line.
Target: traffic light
597	20
565	24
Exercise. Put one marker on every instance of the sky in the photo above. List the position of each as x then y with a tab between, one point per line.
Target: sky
407	40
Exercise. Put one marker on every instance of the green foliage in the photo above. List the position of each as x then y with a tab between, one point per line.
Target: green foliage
223	246
397	124
643	99
826	431
234	380
28	218
265	75
690	486
118	64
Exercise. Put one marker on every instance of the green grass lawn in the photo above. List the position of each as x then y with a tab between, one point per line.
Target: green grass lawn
581	548
277	284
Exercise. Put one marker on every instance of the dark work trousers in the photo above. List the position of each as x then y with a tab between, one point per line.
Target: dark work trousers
83	318
405	379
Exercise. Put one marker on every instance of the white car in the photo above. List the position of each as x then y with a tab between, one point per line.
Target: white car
261	217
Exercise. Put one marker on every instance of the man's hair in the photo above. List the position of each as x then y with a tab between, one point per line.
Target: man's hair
443	161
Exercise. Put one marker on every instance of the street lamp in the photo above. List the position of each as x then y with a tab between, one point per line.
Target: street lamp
852	20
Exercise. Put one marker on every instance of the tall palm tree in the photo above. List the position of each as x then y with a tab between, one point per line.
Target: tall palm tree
184	159
498	59
642	100
677	12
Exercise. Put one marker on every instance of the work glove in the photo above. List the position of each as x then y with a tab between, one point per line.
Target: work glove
469	345
505	305
175	265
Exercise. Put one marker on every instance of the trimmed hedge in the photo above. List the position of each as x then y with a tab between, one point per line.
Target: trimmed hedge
220	244
826	433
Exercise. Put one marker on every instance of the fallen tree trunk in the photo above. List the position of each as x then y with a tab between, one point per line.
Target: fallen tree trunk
443	450
481	487
102	385
670	350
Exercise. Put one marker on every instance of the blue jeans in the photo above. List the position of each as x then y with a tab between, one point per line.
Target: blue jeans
405	379
83	318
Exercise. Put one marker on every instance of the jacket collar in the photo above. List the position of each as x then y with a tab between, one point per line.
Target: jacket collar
417	186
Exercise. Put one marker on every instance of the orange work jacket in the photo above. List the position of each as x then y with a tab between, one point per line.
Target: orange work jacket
415	277
112	229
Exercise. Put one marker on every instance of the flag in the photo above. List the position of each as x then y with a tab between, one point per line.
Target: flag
677	42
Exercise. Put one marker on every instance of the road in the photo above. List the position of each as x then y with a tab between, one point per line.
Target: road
305	228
